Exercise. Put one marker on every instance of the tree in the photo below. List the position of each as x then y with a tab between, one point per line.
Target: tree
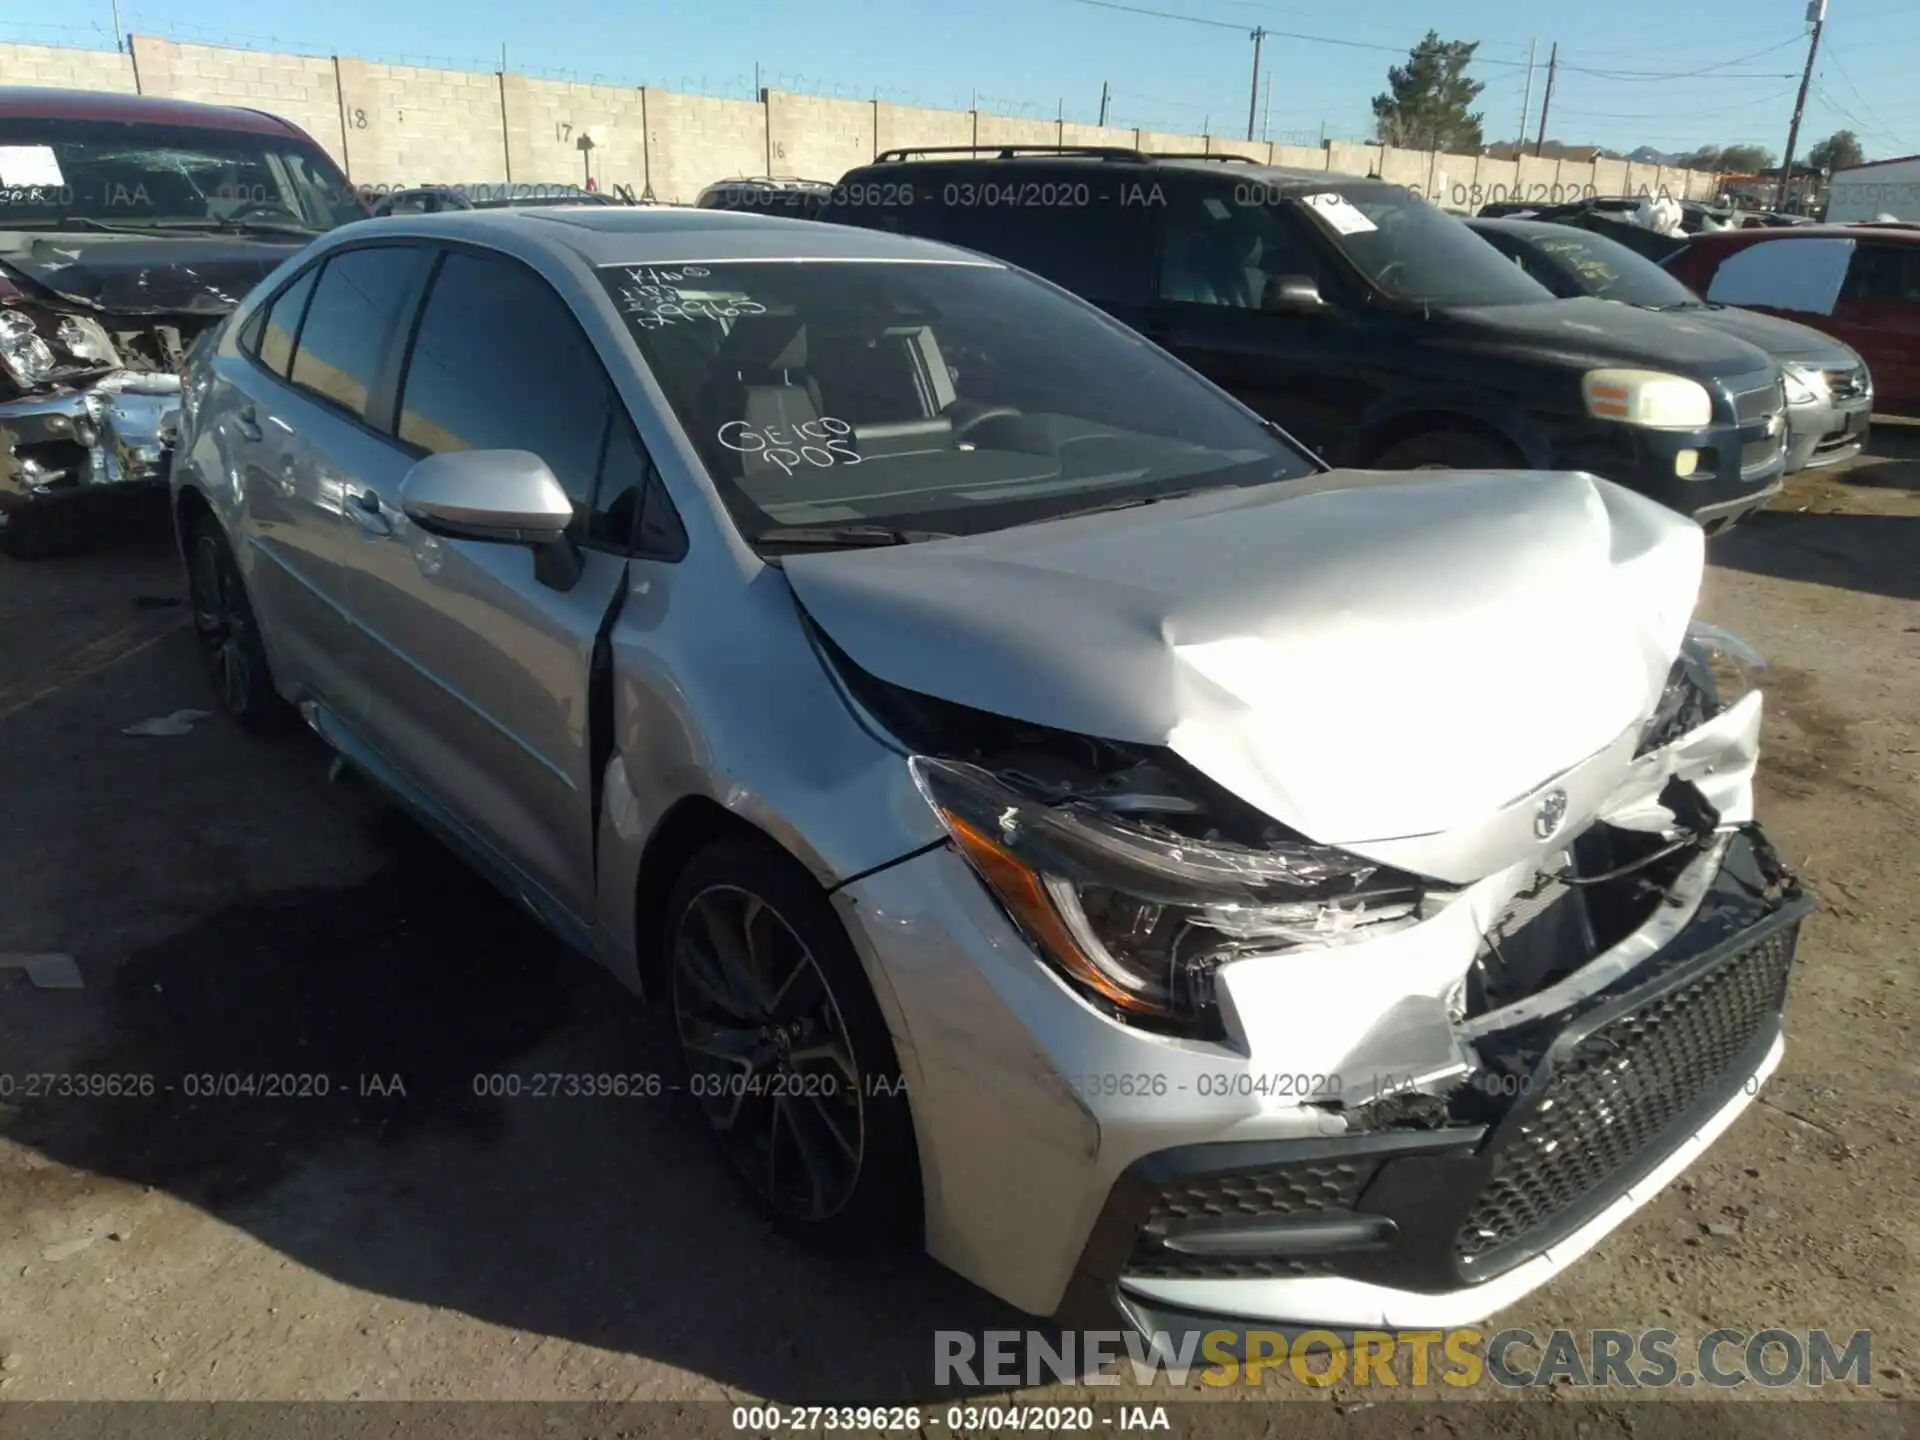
1427	102
1707	157
1839	151
1746	159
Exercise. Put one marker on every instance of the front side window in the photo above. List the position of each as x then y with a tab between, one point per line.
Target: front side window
954	398
58	174
1217	250
499	363
350	321
1884	274
1412	251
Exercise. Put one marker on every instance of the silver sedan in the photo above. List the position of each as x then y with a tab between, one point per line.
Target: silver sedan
1073	831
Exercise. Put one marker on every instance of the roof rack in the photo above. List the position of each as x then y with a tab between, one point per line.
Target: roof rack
1224	155
1008	152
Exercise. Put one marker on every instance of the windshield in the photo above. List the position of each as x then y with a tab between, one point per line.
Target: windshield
1612	272
1416	252
950	398
109	174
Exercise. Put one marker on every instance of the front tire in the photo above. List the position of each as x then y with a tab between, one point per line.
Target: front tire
786	1051
229	635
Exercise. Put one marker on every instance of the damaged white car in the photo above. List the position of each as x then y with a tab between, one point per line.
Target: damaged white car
1072	829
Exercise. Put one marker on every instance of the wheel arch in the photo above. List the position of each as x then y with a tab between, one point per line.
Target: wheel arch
1379	433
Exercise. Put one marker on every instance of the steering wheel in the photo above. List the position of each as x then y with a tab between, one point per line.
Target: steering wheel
1380	276
990	412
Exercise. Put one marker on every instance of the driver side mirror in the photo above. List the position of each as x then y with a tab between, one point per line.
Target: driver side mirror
1292	295
506	497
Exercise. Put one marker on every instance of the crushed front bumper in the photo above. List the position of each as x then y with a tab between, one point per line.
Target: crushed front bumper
115	432
1061	1153
1597	1106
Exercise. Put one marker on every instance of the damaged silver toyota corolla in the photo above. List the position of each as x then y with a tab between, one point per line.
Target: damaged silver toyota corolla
129	226
1068	825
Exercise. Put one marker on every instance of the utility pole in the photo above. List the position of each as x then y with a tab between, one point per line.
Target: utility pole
1103	102
119	38
1546	104
1253	100
1817	17
1526	101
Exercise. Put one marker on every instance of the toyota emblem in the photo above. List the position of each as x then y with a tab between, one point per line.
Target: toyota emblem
1550	814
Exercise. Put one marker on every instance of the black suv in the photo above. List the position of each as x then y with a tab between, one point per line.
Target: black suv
1374	327
769	194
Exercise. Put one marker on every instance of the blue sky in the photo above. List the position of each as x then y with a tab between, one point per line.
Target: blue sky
1046	56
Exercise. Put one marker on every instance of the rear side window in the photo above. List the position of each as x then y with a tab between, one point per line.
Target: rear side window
1799	275
282	327
355	305
1081	233
499	363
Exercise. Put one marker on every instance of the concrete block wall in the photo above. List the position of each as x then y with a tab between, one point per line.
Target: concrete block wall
392	125
68	69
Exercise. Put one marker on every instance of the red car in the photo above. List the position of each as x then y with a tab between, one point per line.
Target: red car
129	226
1858	283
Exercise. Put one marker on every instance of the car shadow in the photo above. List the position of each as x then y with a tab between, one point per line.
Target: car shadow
1896	465
393	1083
1872	554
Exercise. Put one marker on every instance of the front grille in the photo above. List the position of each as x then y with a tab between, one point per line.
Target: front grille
1607	1106
1752	406
1274	1193
1304	1189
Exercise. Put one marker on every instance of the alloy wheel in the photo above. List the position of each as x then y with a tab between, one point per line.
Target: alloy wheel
767	1051
221	621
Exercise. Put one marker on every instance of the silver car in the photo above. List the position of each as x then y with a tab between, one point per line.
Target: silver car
1073	831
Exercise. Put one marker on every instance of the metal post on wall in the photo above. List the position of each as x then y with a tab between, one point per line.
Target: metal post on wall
1253	99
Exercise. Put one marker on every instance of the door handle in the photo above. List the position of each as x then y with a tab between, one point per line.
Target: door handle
363	508
247	422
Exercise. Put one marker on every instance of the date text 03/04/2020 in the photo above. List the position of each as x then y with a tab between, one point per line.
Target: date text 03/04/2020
964	1419
646	1085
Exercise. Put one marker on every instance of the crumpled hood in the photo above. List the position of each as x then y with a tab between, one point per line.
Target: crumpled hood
145	275
1363	656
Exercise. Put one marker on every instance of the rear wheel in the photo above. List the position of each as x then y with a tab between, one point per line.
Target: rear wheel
229	635
1448	450
786	1050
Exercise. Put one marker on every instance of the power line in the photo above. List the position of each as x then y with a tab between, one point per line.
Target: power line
1579	114
1706	72
1282	34
1880	125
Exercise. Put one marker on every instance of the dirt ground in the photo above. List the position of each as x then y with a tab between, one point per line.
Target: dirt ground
233	910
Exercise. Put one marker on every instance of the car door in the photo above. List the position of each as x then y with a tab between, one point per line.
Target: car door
476	659
315	424
1216	257
1879	315
250	419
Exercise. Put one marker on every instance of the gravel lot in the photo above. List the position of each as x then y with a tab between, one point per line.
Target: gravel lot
232	910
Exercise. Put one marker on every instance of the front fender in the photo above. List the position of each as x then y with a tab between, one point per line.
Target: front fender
1403	413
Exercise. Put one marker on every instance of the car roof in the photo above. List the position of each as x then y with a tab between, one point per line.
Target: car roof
1734	239
638	235
1226	165
18	102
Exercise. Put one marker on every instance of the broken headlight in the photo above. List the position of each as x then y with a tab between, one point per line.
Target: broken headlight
1714	671
34	354
27	356
1140	919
